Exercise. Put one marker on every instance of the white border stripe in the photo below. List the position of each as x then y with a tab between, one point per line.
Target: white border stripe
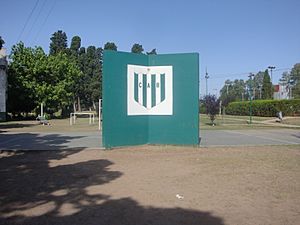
157	89
149	95
140	89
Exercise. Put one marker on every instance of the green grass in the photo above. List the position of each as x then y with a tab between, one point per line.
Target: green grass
226	122
240	122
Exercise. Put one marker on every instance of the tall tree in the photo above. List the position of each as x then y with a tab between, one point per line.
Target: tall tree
287	82
137	48
21	93
36	78
233	91
110	46
257	84
295	77
75	45
267	89
89	88
58	42
1	42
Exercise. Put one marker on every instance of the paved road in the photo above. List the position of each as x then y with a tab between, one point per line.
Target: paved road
93	140
50	141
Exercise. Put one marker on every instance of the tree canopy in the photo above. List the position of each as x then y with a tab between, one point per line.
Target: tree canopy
137	48
110	46
34	78
295	80
59	42
1	42
66	79
233	91
267	89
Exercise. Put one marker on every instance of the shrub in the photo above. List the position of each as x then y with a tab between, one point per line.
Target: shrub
265	107
212	107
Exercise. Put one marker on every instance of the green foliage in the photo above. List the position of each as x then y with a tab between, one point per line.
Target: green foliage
265	107
89	89
267	90
233	91
110	46
295	78
202	108
137	48
1	42
75	44
34	78
58	42
212	106
74	47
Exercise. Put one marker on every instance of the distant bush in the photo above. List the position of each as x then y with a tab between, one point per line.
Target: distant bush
265	107
202	108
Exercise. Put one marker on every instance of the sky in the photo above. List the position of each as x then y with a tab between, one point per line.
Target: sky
232	37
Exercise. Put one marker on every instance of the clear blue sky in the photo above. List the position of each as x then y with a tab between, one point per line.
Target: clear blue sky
233	37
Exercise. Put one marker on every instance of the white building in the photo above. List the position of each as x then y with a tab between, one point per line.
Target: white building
281	92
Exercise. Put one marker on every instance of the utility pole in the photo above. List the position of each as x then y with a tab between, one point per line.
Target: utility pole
250	94
206	78
271	68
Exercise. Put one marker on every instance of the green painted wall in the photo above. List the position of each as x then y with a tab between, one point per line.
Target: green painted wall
118	129
181	128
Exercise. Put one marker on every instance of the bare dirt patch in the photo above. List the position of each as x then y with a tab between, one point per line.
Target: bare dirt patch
152	185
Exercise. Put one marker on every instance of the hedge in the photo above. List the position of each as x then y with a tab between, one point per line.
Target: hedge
265	107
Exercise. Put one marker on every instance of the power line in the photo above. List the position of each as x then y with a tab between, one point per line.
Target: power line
28	18
36	18
44	22
228	75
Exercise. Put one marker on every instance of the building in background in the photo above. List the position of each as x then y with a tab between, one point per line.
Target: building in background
281	92
3	84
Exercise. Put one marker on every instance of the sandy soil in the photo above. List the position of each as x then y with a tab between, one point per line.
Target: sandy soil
152	185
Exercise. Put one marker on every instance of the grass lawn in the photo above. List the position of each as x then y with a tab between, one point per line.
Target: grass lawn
242	122
232	122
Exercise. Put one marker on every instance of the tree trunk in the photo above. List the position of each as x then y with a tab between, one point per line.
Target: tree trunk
78	102
74	106
94	105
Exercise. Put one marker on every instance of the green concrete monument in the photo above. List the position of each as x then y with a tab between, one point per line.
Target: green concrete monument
150	99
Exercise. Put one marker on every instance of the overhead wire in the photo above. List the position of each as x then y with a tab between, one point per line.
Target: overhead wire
27	20
36	18
44	22
228	75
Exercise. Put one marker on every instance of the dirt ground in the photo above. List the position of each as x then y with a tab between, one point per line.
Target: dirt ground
152	185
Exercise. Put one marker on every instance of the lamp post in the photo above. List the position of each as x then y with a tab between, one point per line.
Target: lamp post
250	94
271	68
206	78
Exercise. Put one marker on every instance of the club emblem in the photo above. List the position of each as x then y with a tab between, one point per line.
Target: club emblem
149	90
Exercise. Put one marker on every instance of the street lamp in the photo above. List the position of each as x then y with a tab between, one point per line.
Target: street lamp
250	94
206	77
271	68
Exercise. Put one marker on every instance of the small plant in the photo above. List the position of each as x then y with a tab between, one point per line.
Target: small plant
212	107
